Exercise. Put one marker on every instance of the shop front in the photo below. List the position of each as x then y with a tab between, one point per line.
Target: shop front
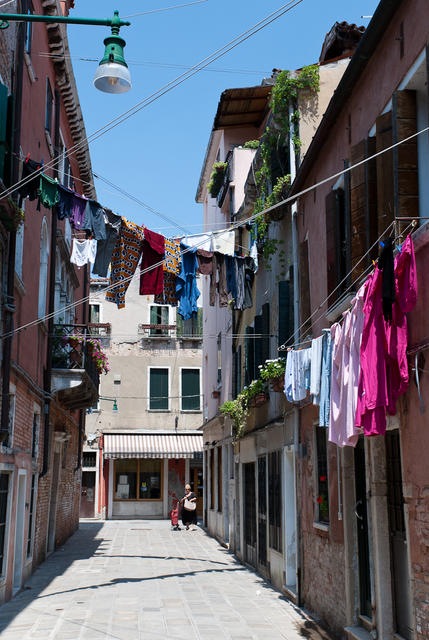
147	472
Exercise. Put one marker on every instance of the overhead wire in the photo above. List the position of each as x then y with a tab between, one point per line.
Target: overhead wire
275	15
235	225
175	6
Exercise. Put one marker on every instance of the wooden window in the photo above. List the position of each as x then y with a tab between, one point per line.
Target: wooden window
219	479
190	328
338	248
212	479
94	313
158	316
138	479
158	389
31	516
322	498
35	435
265	340
275	499
257	346
4	492
304	287
249	491
249	350
191	390
236	379
48	107
219	358
285	316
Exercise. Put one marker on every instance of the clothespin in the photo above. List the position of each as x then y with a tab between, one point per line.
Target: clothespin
399	247
27	158
381	245
373	263
41	163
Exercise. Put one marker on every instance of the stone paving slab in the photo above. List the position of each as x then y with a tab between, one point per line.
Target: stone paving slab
139	580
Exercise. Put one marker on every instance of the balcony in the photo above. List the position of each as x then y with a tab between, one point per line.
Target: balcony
157	331
101	331
226	181
75	377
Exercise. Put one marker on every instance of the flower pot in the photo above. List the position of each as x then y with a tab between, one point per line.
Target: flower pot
278	384
259	400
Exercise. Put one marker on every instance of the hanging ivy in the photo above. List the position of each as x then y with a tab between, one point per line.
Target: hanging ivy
284	94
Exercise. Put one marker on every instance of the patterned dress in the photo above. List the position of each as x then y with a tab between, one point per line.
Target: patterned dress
171	270
124	261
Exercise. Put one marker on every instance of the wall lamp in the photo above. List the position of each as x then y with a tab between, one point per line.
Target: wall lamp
112	75
115	408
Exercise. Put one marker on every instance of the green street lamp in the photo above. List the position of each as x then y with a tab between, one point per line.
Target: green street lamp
112	75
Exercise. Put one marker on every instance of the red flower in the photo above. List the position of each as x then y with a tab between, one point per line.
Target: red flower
322	478
319	499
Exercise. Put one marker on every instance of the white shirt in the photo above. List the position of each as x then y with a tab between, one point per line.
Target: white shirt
84	251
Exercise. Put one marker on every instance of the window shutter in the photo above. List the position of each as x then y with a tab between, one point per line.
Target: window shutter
3	127
164	315
285	313
259	328
179	325
153	315
249	356
304	285
331	243
159	389
405	162
190	389
383	126
363	211
266	332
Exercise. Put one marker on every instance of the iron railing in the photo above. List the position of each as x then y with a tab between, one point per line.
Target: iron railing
70	350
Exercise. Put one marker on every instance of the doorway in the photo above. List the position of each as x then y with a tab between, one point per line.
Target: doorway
398	537
197	486
249	513
87	496
361	514
54	498
19	532
262	511
290	520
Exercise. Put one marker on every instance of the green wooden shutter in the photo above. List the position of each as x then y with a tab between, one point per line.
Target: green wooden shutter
3	127
285	310
249	356
158	389
259	329
265	342
190	389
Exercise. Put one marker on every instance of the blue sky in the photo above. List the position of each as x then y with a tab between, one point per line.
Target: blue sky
157	154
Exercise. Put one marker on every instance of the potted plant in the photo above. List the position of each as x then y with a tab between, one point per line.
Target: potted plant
256	393
237	410
216	178
273	371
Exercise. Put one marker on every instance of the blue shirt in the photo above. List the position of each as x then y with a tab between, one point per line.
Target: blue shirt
187	292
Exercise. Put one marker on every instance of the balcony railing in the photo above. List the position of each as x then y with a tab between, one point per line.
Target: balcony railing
101	331
158	331
75	377
184	330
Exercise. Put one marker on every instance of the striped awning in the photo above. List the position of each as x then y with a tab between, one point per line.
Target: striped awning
139	445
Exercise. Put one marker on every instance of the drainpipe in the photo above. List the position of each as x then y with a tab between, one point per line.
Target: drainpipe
296	322
9	307
51	305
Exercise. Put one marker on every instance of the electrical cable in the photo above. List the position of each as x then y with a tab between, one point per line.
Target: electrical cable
175	6
233	226
160	92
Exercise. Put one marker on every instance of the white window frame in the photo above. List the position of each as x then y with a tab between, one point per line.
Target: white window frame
180	389
169	390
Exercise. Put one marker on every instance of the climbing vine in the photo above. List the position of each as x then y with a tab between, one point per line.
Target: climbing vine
284	94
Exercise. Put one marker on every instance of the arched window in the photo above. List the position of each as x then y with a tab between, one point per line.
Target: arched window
43	272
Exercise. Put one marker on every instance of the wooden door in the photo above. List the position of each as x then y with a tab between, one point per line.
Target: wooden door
87	495
197	487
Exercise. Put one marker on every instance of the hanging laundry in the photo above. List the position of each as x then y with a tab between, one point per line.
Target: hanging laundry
199	241
83	251
30	189
254	255
397	330
168	295
240	282
151	278
93	220
386	264
218	281
48	191
205	262
187	292
78	211
105	247
316	368
345	375
231	277
249	276
64	204
325	380
289	376
172	256
124	262
224	242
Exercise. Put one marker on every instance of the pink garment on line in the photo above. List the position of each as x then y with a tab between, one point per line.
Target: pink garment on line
345	374
384	366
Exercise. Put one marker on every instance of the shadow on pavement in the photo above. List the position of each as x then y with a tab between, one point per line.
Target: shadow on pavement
55	565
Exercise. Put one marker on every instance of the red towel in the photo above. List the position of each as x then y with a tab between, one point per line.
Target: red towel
153	247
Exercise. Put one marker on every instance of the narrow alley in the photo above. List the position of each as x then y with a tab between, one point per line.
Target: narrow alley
137	579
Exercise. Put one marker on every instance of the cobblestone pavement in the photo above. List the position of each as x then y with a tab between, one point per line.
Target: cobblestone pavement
138	580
